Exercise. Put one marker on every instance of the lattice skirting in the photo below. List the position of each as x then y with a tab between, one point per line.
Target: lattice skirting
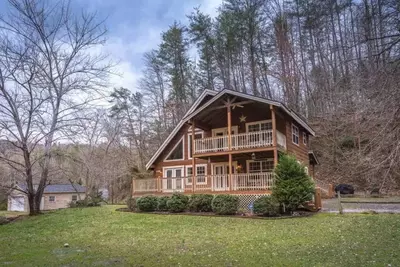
246	200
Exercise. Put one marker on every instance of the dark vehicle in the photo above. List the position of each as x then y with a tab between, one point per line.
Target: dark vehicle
344	189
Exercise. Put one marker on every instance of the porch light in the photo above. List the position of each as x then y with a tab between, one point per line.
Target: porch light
209	160
253	156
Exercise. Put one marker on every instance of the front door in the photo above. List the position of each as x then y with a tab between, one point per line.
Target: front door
173	181
221	175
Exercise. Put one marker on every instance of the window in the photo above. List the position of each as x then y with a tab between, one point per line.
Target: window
259	126
176	152
198	135
295	134
304	138
52	198
201	172
189	173
74	197
266	165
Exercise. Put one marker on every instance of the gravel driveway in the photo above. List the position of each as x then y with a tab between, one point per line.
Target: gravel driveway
331	205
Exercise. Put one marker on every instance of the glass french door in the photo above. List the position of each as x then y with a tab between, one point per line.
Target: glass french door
221	176
173	180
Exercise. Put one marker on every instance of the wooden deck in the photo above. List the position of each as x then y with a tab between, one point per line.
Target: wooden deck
241	183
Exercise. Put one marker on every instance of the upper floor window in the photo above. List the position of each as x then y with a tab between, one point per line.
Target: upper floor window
52	198
176	152
304	138
197	135
258	126
295	134
74	197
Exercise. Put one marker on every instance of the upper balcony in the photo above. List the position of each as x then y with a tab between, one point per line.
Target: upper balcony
241	141
236	125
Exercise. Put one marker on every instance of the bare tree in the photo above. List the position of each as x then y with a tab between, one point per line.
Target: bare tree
48	75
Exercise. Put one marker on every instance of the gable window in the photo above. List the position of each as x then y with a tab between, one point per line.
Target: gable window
304	138
74	197
52	198
176	152
258	126
295	134
266	165
197	135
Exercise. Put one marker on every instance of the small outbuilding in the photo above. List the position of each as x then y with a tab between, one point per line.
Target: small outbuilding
55	196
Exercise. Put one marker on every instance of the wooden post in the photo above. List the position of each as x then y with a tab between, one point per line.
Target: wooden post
229	145
229	128
273	119
230	172
340	207
331	191
318	201
193	159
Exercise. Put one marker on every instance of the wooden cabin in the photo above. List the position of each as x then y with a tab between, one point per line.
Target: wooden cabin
227	143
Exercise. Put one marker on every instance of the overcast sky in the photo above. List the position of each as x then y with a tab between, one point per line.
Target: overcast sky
135	26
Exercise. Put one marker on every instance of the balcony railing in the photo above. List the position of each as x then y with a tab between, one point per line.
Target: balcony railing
239	141
206	183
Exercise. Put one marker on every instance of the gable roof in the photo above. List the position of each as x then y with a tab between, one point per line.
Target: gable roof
180	124
59	188
193	111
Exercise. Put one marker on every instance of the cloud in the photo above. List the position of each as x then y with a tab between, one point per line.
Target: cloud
136	27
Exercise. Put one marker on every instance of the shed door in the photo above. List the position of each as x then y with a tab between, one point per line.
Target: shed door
17	203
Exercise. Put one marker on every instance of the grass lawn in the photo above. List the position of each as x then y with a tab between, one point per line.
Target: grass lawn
103	237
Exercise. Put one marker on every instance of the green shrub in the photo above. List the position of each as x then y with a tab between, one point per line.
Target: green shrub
200	203
162	203
293	186
94	199
131	203
147	203
225	204
177	203
266	206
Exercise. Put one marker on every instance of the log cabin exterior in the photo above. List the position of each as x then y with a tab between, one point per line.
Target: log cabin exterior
237	142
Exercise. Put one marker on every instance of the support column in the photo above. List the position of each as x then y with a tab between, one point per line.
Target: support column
229	127
229	145
193	158
274	143
230	173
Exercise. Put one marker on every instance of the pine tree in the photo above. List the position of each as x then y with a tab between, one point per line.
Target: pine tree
293	186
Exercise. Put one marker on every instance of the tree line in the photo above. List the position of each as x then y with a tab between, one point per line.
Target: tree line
335	62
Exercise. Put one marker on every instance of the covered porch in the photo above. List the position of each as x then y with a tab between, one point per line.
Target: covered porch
246	172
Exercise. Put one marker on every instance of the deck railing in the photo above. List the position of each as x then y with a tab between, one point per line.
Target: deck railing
205	183
252	139
211	144
239	141
253	181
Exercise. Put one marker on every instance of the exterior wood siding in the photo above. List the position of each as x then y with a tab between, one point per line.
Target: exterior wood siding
300	151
